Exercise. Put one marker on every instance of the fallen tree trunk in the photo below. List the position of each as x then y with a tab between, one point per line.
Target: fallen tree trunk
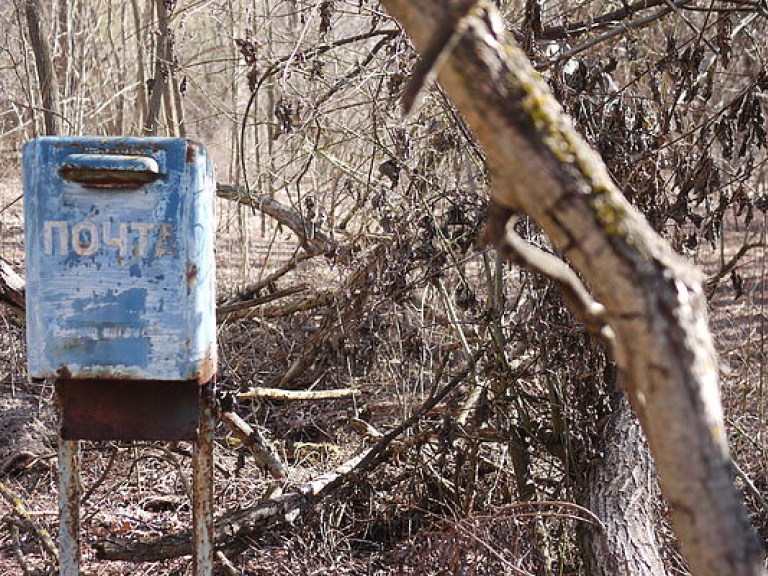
11	288
226	529
650	299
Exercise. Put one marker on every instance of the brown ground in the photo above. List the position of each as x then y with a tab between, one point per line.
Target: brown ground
141	489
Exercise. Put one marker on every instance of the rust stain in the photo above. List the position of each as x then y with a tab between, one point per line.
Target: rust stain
206	368
128	410
69	507
191	273
193	149
202	488
205	371
108	179
64	373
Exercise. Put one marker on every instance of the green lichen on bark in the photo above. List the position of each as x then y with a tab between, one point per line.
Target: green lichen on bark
609	214
551	128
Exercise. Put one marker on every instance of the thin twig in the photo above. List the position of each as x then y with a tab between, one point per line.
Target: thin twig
692	26
28	523
614	32
102	477
604	20
244	307
477	388
712	282
226	564
751	488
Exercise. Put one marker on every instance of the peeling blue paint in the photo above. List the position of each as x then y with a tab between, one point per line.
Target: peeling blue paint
113	229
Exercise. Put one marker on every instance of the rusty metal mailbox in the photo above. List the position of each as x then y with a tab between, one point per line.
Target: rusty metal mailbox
120	282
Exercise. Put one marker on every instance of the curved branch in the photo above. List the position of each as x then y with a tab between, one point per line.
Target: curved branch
612	18
613	33
515	249
312	239
713	281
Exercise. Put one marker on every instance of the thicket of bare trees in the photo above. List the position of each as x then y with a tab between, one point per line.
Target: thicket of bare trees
491	428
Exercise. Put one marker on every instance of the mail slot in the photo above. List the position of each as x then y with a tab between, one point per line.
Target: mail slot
119	237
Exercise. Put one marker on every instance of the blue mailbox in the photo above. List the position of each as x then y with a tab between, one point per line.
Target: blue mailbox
119	237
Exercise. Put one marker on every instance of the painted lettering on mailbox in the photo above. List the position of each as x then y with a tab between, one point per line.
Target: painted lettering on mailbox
86	237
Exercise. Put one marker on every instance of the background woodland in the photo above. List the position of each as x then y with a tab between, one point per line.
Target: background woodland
350	261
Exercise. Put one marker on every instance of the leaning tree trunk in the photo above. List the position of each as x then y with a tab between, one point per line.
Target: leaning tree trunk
650	300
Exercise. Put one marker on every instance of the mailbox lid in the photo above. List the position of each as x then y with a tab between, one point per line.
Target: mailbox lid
119	237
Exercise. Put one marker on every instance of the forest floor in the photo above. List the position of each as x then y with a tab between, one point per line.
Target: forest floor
140	490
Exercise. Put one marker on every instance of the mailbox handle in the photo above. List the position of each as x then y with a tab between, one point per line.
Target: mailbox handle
110	171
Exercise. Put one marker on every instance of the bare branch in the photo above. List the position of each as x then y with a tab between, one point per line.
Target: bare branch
312	239
281	394
255	442
713	281
581	303
611	18
244	307
610	34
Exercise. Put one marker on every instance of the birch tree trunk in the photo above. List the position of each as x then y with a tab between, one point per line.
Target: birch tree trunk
650	299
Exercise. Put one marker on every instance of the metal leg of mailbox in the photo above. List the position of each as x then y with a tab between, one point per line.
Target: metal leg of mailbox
202	505
69	507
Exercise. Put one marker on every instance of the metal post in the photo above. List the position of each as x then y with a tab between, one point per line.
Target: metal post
69	507
202	491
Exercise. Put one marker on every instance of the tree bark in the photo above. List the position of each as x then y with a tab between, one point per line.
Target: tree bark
653	300
141	88
163	54
621	490
11	288
44	63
